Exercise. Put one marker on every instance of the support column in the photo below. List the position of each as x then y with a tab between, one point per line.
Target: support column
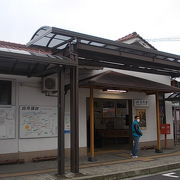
130	119
74	118
61	102
91	103
158	148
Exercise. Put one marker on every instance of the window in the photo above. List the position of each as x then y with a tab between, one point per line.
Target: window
5	92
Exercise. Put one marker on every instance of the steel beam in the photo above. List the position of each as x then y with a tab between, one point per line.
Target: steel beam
61	103
57	60
74	118
133	67
130	55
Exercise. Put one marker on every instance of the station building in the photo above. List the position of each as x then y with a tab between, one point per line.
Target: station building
112	82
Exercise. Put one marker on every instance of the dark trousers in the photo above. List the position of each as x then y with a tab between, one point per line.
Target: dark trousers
135	147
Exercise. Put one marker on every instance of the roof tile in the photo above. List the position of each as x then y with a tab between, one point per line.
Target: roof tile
16	46
132	36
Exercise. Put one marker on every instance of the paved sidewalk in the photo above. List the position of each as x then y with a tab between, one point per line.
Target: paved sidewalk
111	165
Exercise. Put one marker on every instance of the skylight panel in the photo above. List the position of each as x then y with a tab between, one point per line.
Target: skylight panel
42	42
97	44
55	42
65	38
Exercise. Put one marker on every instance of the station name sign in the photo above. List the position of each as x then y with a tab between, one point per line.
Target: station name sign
141	102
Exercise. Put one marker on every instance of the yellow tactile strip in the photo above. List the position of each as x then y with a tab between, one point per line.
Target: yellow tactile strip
149	158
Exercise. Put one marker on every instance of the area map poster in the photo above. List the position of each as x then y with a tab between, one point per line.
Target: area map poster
7	123
37	121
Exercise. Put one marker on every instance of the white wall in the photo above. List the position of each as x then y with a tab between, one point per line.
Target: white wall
169	120
83	93
28	92
149	133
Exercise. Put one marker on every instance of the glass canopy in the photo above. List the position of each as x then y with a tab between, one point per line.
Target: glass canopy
96	51
56	38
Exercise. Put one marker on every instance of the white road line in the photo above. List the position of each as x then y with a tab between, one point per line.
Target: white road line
172	174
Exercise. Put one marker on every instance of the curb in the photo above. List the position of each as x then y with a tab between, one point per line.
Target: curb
130	174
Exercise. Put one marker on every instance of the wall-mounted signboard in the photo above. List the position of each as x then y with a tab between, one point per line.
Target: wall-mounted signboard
141	102
38	121
7	123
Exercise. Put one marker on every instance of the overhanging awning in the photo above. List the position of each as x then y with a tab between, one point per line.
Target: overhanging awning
174	97
96	51
115	80
27	63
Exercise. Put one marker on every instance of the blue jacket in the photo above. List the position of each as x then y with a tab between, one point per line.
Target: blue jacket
136	131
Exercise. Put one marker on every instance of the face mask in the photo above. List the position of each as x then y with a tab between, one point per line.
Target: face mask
138	120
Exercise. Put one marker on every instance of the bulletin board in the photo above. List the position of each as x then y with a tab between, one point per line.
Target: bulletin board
7	123
38	121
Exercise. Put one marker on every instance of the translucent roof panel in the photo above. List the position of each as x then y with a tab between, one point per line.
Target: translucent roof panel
112	47
63	46
56	38
30	53
84	41
55	42
42	42
50	35
19	51
64	38
97	44
4	49
40	32
15	51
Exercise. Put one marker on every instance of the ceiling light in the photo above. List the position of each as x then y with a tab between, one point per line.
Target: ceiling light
116	90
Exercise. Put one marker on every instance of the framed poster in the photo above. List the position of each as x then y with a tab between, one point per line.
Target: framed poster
142	114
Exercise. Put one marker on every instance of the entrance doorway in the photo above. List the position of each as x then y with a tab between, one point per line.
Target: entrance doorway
112	121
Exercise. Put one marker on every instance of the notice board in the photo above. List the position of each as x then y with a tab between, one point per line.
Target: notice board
7	122
38	121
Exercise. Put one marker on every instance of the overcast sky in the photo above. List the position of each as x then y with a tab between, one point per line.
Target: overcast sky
110	19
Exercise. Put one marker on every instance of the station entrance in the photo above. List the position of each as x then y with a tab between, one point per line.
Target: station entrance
112	121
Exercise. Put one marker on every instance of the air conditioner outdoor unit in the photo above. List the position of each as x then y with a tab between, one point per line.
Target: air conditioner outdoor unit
50	84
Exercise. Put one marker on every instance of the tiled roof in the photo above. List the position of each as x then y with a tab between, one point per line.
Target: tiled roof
135	35
129	36
16	46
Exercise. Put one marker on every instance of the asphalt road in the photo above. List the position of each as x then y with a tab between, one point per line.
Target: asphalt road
170	175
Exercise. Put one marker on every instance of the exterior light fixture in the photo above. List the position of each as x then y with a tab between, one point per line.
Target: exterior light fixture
116	90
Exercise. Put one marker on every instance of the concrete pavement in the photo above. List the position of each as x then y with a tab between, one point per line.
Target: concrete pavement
109	165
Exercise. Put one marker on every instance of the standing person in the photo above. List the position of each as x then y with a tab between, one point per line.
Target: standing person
136	134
